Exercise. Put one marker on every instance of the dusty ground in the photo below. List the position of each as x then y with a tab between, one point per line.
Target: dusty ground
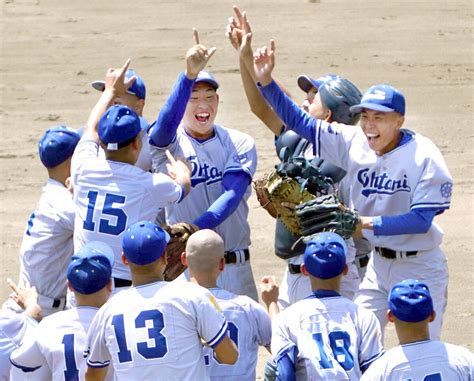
51	50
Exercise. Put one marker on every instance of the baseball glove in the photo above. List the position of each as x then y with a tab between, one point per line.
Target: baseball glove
179	233
293	182
326	214
263	196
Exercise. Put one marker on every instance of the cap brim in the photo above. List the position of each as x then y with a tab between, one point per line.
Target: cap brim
304	83
214	84
98	85
370	106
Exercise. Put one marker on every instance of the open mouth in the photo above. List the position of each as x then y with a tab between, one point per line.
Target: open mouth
202	117
372	138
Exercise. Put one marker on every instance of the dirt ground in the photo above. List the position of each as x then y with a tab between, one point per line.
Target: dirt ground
51	51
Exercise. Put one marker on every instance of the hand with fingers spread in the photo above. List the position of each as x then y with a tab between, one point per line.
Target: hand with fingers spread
197	57
264	62
239	33
26	297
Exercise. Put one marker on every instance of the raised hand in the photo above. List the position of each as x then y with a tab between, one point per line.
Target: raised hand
239	33
115	79
269	289
197	57
264	62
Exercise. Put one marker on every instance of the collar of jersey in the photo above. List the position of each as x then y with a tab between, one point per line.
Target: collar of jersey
323	294
416	342
202	141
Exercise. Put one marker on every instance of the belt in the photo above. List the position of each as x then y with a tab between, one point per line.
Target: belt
122	282
237	256
47	302
363	260
392	254
294	269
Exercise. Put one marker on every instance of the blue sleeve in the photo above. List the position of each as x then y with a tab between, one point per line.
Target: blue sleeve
169	118
234	185
289	112
285	364
417	221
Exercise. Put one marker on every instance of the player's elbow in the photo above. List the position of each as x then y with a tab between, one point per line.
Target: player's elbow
226	352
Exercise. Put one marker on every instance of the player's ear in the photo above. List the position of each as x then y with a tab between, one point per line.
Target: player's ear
222	264
124	259
345	271
109	285
139	106
328	117
303	270
432	316
390	316
69	286
184	262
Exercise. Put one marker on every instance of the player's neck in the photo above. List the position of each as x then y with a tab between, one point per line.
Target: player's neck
412	335
333	284
204	281
59	173
142	279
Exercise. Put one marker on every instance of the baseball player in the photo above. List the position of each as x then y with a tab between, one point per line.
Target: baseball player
325	336
59	340
135	99
112	193
332	105
397	201
153	330
417	357
223	162
248	324
15	327
47	244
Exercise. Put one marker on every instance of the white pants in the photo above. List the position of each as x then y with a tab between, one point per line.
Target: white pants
429	267
295	287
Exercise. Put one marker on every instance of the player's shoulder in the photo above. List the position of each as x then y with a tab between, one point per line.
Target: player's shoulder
233	135
240	301
458	353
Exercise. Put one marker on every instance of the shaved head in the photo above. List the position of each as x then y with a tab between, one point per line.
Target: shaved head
204	251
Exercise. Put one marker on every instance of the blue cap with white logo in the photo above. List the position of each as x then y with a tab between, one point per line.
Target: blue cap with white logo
306	83
138	88
325	255
90	268
57	145
410	301
207	77
144	242
384	98
119	124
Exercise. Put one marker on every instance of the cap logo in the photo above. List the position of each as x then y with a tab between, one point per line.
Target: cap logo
112	146
377	94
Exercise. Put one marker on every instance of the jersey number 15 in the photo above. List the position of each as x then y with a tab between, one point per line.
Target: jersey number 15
111	210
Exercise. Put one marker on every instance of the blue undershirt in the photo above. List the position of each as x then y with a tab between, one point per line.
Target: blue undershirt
162	134
417	221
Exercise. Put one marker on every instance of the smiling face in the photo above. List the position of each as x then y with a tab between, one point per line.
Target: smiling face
201	111
316	107
382	129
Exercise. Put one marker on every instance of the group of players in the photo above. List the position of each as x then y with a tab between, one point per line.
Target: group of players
96	231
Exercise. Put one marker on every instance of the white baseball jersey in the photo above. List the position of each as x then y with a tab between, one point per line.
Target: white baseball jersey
154	332
248	326
336	339
413	175
227	151
423	361
58	344
109	196
47	244
13	329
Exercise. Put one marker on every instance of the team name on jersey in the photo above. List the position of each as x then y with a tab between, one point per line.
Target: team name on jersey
375	183
203	173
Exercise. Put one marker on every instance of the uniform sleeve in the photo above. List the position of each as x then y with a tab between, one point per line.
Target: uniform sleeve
85	150
211	323
434	189
280	335
29	357
370	339
262	323
376	372
67	215
165	191
96	351
243	157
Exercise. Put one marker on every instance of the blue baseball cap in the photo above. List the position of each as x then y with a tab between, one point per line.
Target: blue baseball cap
325	255
144	242
57	145
410	301
306	83
138	88
119	124
90	268
207	77
384	98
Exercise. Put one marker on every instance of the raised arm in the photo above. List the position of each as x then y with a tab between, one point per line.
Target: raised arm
171	114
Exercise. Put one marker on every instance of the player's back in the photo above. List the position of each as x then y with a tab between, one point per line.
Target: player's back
423	361
59	343
154	331
248	326
336	339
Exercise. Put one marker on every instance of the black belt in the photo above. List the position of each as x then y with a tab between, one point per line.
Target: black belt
363	261
56	303
122	282
392	254
294	269
231	256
